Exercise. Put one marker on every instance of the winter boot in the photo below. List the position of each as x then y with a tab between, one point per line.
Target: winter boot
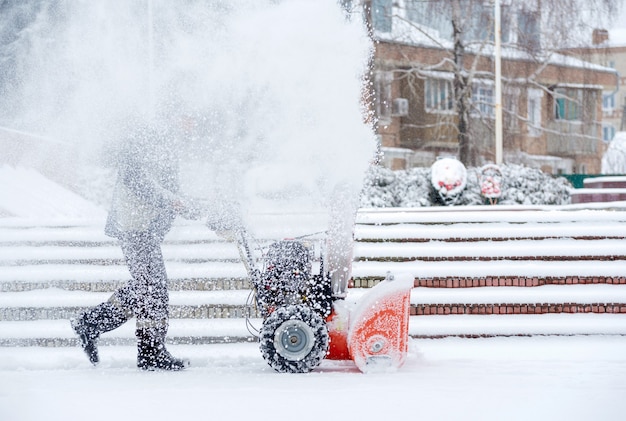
90	324
151	352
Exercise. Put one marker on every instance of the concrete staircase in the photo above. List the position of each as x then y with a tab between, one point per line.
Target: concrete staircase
481	271
50	273
539	271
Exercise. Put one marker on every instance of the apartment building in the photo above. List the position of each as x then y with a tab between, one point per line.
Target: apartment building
610	53
552	102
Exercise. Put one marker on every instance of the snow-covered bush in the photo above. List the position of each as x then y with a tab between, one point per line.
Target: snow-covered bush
614	159
530	186
412	188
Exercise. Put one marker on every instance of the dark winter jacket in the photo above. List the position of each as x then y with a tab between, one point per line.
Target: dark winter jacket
147	186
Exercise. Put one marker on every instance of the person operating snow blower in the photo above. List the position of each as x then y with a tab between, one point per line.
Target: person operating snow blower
146	200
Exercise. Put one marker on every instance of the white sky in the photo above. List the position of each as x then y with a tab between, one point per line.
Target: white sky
617	32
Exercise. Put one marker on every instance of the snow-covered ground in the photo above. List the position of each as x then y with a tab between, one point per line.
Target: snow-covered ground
569	377
545	378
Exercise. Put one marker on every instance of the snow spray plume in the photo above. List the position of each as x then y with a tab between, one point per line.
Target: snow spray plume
265	83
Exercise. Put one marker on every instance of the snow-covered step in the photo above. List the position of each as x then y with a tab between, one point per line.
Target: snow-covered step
97	273
517	325
488	222
492	214
603	194
548	299
199	331
14	230
515	281
605	182
182	284
55	297
60	333
496	268
518	308
592	298
548	249
54	303
581	294
20	255
496	230
198	311
262	226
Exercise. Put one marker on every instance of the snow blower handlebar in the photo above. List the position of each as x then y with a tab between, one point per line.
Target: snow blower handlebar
241	238
225	219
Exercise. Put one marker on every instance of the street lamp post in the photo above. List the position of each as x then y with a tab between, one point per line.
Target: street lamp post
498	83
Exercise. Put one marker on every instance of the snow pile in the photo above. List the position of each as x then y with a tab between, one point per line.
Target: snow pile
26	193
412	188
614	159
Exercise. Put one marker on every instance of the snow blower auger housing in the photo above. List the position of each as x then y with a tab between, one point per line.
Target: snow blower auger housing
288	279
306	319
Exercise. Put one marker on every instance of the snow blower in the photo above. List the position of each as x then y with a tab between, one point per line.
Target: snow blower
306	314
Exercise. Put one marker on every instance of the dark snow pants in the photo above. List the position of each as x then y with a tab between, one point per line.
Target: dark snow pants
145	296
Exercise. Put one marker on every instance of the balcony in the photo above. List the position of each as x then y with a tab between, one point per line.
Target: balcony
572	137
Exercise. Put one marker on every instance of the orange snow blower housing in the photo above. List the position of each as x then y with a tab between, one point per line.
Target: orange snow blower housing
374	333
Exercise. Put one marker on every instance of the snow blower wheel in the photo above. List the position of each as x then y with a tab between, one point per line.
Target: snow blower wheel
294	339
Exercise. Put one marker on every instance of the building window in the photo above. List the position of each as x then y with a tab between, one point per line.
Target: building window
424	14
481	23
382	15
382	99
568	104
534	112
439	97
528	26
608	132
484	100
608	102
